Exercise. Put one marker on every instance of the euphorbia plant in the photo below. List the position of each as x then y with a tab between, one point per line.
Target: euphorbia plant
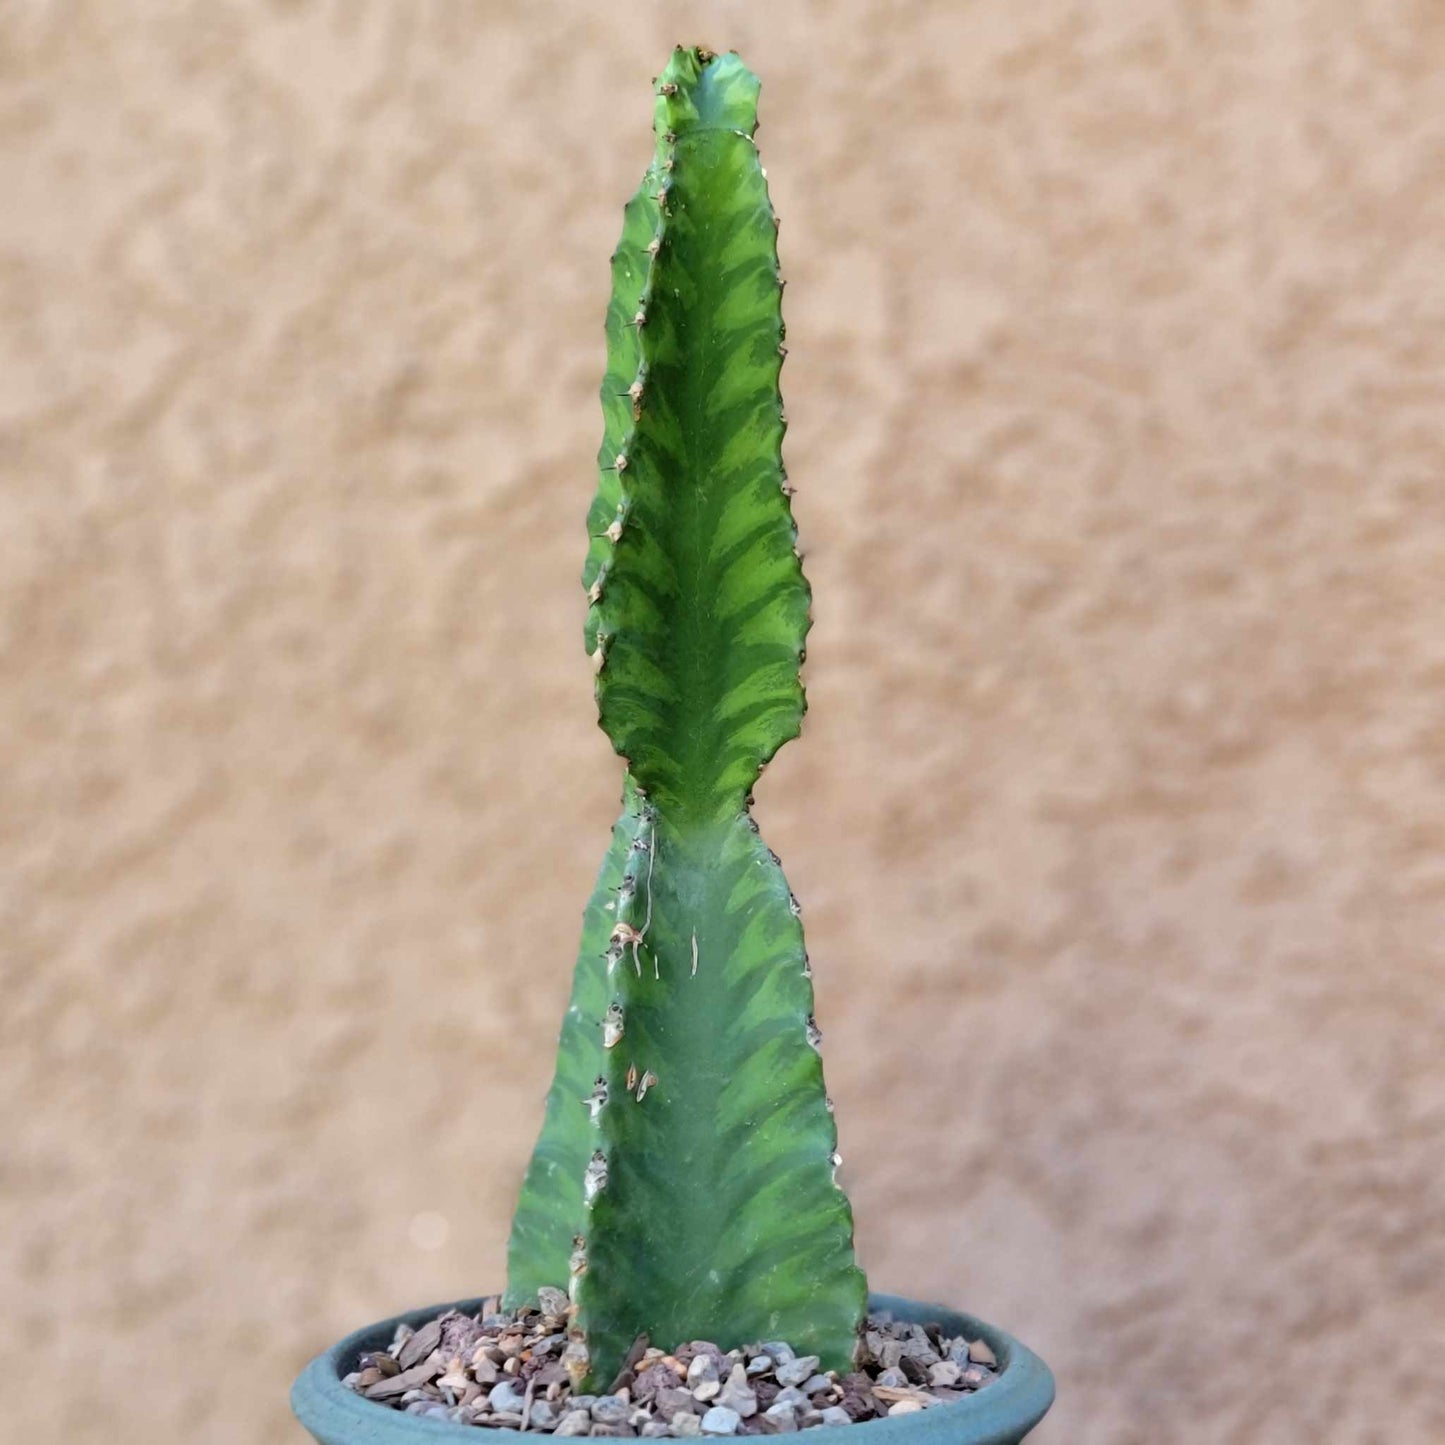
685	1182
684	1187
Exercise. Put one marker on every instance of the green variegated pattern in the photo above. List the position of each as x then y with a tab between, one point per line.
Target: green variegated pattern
700	607
719	1217
684	1183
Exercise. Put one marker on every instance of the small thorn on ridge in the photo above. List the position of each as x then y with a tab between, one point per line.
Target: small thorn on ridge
612	1022
594	1181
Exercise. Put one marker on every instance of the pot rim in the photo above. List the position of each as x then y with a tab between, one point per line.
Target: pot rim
999	1414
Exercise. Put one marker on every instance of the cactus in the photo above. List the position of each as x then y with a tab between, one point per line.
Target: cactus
684	1184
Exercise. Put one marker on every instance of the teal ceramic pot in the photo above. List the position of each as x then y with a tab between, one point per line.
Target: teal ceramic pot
1000	1414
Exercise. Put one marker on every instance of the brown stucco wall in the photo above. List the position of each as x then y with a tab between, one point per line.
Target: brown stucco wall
1117	393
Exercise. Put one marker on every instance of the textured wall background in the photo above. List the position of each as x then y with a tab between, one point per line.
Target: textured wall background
1117	393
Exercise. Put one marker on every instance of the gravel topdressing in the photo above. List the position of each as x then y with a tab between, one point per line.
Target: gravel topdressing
506	1370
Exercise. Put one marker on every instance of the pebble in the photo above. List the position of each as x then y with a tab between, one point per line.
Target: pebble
736	1396
816	1384
668	1402
760	1365
893	1379
420	1344
543	1415
836	1415
394	1386
780	1350
686	1424
779	1419
980	1354
708	1390
459	1334
655	1430
905	1407
702	1371
795	1371
685	1354
944	1373
552	1300
721	1421
575	1422
921	1351
506	1398
652	1379
612	1410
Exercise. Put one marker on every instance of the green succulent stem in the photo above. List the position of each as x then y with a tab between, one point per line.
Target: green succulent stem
684	1184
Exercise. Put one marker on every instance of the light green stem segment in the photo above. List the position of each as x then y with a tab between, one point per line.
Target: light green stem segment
684	1182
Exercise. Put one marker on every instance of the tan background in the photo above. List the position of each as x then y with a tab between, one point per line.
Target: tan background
1117	393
